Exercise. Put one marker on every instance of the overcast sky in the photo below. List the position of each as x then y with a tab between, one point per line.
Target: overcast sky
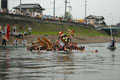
110	9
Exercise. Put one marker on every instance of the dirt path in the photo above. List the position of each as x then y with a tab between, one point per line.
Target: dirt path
53	38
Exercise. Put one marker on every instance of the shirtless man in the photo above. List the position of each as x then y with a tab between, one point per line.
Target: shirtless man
4	40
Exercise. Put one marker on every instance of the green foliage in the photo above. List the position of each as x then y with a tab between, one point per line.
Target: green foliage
68	16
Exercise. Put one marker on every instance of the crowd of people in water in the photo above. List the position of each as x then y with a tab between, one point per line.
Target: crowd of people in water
16	42
57	47
63	43
15	33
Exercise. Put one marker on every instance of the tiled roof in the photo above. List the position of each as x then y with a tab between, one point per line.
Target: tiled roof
29	6
94	17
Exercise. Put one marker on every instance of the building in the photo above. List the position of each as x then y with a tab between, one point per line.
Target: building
30	8
96	21
3	4
118	25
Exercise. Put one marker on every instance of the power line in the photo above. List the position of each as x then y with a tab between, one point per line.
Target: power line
56	8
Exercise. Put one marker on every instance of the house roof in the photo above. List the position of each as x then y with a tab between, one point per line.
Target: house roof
118	25
94	17
29	6
102	22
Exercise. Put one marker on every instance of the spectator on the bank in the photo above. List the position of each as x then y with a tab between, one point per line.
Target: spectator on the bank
10	12
0	27
20	27
14	12
25	33
14	28
29	30
0	30
0	33
1	11
18	34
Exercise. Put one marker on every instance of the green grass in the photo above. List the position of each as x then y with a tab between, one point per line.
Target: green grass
118	35
50	29
44	33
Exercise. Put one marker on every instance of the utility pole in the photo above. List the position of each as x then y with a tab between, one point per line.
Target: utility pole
54	9
7	4
85	8
0	4
65	7
20	5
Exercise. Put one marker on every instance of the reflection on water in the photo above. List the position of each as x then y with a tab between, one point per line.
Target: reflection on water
20	64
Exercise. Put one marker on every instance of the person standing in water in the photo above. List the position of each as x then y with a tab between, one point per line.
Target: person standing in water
15	43
113	42
4	40
14	28
24	42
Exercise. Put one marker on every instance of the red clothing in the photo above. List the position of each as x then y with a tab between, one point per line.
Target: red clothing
60	33
75	45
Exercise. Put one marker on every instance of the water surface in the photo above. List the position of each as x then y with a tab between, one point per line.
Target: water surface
20	64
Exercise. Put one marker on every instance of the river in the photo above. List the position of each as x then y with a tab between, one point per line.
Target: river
20	64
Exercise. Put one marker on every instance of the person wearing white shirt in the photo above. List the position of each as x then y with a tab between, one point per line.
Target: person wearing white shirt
24	42
14	28
0	27
5	29
29	30
15	42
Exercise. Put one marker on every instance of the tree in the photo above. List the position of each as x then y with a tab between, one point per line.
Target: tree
68	16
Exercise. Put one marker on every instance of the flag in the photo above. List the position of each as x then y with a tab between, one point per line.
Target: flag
8	31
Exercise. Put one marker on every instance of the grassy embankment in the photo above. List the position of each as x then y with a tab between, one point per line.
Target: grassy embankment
50	29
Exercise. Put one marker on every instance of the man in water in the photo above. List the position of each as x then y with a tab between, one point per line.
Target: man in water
15	43
4	41
14	28
113	43
24	42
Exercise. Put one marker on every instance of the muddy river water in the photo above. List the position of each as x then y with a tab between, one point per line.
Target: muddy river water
20	64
